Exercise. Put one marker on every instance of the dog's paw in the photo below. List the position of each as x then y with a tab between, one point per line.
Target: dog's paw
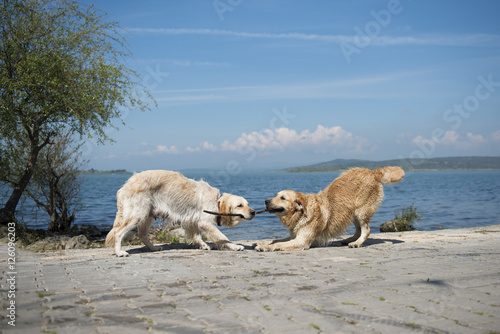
262	247
262	244
355	245
155	248
235	247
122	253
204	246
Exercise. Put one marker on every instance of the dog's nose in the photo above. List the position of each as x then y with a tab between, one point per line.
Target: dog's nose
268	202
252	213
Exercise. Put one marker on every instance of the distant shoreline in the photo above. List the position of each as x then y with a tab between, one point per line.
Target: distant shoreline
432	164
306	170
104	172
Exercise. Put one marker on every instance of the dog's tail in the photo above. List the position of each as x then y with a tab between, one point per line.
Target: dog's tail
110	238
388	175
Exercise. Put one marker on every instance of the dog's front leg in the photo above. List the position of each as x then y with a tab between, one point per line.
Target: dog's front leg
300	242
269	242
198	240
291	245
221	241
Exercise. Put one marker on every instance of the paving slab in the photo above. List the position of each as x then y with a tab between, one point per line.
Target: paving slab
445	281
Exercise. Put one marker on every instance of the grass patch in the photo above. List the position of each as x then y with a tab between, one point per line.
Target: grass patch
44	294
164	233
149	320
92	311
319	310
314	326
258	272
48	332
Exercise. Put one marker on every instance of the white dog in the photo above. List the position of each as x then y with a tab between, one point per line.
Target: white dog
157	193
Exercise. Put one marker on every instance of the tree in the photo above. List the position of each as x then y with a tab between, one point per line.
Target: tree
55	183
62	66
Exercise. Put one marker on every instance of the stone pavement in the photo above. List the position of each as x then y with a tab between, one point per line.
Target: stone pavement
414	282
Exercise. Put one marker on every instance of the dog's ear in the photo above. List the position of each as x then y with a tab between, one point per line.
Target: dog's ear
225	208
300	201
223	205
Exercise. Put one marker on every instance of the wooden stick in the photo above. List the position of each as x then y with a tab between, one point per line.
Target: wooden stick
223	214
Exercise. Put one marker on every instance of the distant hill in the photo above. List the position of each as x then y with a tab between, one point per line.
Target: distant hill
450	163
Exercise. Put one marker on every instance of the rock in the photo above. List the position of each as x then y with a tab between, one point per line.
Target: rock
396	226
60	242
389	226
49	244
178	233
91	232
78	242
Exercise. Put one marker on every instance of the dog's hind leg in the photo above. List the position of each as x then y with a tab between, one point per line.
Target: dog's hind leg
356	235
144	234
363	221
120	233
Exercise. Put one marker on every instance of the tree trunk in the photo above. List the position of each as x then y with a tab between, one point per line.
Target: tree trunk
61	223
8	211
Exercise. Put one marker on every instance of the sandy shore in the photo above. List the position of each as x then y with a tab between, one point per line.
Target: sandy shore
444	281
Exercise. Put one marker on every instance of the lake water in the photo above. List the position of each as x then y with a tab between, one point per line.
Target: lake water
446	199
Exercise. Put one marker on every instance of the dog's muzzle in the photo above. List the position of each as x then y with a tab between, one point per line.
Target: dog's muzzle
272	209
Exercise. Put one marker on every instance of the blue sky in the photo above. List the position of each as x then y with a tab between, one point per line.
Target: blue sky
251	85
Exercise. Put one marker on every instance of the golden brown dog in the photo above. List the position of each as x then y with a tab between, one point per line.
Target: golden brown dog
314	219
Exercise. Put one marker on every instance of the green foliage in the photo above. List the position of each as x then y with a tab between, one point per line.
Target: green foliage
61	64
62	68
55	183
163	234
404	221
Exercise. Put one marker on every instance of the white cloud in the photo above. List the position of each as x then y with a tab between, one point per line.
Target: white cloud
159	149
352	88
182	63
449	138
322	139
189	98
475	139
453	139
206	146
495	136
164	149
402	137
447	40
